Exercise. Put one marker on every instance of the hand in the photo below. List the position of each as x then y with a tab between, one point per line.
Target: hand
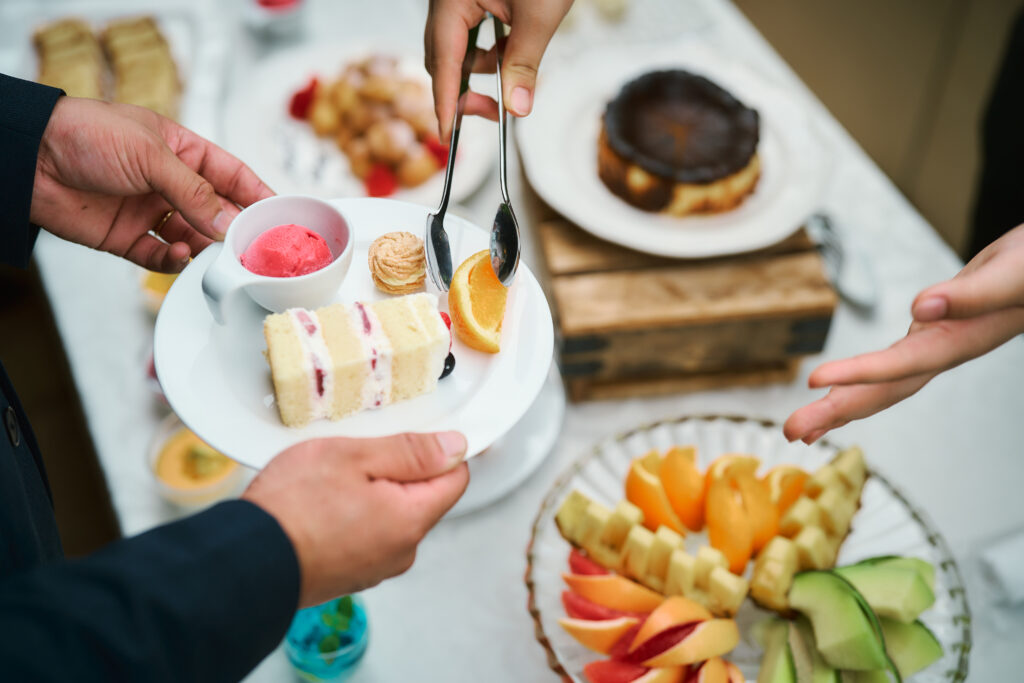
108	173
531	24
355	509
981	308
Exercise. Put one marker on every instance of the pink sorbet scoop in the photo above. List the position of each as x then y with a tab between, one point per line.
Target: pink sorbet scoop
287	251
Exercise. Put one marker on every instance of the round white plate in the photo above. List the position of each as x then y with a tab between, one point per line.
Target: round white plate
518	454
885	524
290	157
558	145
218	382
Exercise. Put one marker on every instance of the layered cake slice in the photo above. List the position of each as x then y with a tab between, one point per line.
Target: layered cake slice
341	359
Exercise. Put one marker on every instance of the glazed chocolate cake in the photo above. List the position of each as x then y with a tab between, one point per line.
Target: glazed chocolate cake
677	143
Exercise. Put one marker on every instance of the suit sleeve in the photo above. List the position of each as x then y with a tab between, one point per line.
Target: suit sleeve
25	110
202	599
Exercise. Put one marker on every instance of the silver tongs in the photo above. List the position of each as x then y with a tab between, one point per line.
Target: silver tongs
504	243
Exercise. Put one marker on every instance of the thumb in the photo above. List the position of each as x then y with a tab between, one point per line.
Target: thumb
531	30
189	193
994	286
414	457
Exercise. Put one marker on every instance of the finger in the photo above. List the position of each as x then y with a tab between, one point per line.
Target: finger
413	457
428	501
445	40
533	24
153	254
481	105
177	229
188	192
997	285
485	61
846	403
231	178
930	348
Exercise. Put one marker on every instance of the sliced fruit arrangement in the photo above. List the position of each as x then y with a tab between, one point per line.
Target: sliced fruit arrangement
865	629
648	637
618	541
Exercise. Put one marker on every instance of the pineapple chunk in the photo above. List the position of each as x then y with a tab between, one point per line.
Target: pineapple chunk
813	548
826	477
594	520
851	467
836	510
636	551
570	514
726	591
665	541
803	513
625	516
781	550
707	559
770	583
682	572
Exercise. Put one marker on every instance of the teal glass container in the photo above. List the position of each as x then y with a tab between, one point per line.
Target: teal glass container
325	642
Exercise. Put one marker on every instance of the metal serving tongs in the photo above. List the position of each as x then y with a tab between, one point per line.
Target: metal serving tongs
505	230
439	253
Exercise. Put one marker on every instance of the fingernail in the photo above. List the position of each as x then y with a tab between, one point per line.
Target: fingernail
221	222
453	444
521	101
932	308
814	436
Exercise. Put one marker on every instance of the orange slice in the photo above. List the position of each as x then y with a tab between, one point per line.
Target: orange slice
644	489
785	484
731	465
684	485
735	675
476	302
729	528
763	515
598	636
614	591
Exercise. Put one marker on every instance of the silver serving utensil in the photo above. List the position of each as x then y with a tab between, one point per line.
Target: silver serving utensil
439	253
505	230
847	269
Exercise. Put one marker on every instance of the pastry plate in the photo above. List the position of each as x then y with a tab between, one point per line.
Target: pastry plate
218	382
291	158
886	524
558	145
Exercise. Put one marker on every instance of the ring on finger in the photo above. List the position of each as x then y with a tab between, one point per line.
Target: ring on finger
162	222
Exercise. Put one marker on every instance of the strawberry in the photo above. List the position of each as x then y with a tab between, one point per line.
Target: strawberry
299	105
381	181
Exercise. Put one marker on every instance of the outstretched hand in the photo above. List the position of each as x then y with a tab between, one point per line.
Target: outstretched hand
981	308
531	24
108	174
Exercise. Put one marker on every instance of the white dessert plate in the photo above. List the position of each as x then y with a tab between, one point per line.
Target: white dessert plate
292	159
885	524
558	145
217	381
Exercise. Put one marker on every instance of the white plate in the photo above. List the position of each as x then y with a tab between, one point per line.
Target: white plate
290	157
558	144
885	524
218	382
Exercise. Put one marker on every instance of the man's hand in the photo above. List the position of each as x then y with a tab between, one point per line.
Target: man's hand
954	321
109	173
355	509
531	24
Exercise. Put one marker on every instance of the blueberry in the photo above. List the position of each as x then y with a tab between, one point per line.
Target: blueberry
449	365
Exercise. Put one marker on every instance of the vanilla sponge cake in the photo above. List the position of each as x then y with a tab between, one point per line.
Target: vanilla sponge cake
342	359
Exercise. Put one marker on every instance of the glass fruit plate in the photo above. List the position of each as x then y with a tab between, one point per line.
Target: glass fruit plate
885	524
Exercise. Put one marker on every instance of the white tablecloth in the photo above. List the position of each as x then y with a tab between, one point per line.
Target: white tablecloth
459	614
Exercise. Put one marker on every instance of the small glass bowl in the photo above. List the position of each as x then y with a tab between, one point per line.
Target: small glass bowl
317	627
198	496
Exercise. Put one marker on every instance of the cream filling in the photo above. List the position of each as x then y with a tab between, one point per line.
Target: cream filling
376	390
316	360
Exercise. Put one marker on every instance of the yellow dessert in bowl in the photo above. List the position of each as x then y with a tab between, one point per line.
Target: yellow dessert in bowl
187	471
154	288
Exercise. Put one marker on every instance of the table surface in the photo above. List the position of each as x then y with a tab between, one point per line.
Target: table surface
459	614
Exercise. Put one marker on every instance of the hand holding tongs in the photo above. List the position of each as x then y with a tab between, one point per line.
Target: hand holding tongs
504	243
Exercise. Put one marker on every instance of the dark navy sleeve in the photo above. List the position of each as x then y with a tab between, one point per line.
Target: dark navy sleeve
25	109
202	599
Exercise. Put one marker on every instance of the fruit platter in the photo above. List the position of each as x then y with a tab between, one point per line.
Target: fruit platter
710	550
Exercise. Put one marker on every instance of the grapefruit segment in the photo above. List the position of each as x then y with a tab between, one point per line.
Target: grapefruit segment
616	592
581	564
675	611
704	640
578	607
613	671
